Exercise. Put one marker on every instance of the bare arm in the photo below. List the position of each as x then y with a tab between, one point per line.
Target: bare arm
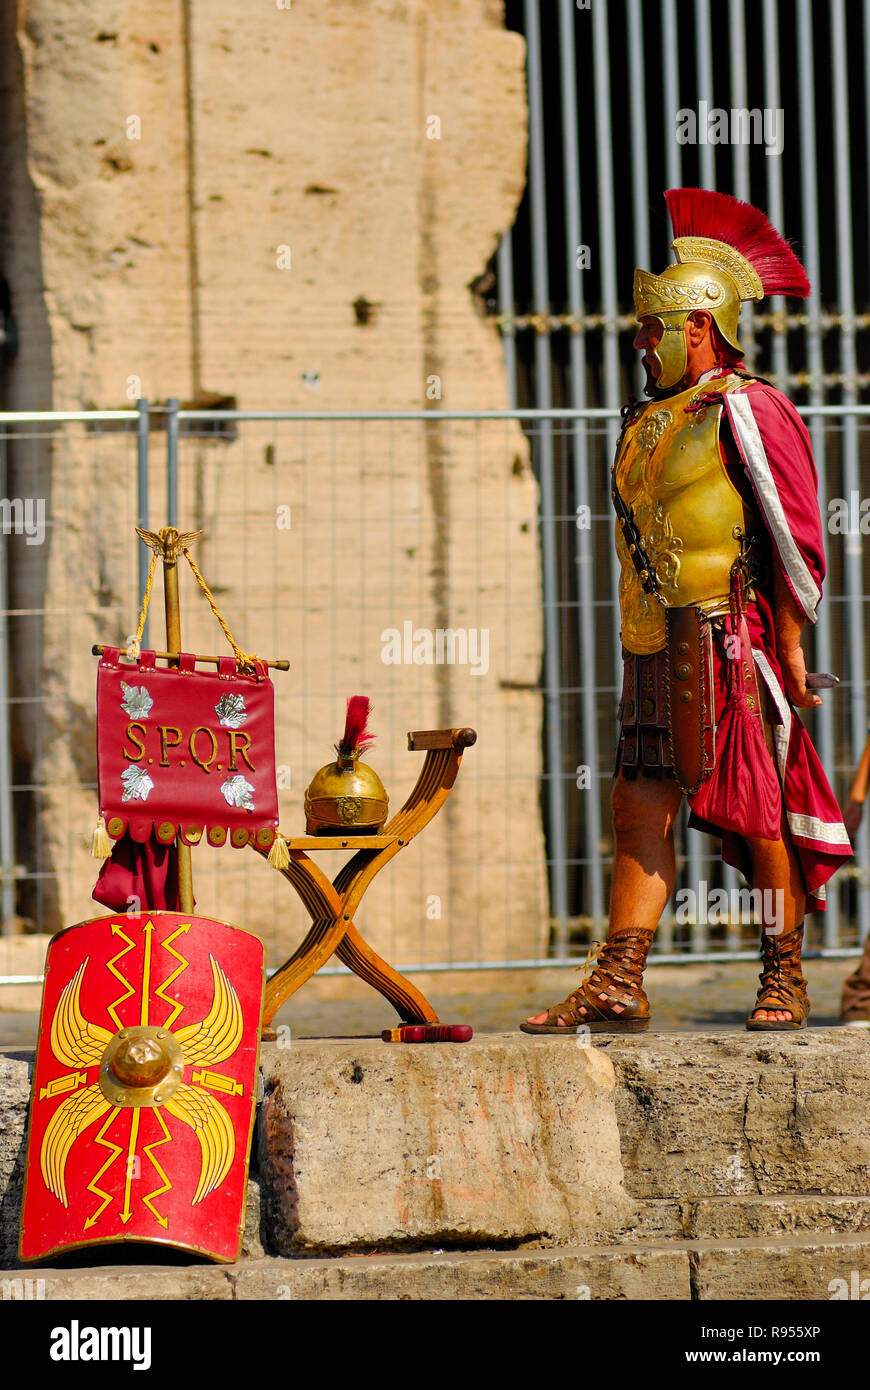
788	621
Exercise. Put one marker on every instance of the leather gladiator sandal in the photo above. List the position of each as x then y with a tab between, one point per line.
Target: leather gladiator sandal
783	987
612	998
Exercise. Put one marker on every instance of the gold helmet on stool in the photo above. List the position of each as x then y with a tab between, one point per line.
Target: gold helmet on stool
347	796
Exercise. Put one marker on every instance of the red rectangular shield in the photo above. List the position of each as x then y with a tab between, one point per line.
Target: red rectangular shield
181	749
144	1089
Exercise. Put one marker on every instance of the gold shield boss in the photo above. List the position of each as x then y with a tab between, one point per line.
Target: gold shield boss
670	473
708	275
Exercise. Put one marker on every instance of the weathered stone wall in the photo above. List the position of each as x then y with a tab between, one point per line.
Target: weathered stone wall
718	1165
486	1143
15	1076
153	265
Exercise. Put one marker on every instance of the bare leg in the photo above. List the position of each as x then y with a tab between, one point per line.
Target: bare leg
775	863
855	1004
644	864
776	867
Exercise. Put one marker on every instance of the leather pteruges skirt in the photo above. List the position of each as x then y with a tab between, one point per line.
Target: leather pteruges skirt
643	746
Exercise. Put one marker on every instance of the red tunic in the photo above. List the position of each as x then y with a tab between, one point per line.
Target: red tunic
769	441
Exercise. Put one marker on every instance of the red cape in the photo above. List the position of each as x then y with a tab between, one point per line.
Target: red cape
764	437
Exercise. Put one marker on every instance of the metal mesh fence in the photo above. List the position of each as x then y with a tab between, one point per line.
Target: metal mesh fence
346	543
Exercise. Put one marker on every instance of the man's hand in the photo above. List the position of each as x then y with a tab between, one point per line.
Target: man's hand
794	672
788	620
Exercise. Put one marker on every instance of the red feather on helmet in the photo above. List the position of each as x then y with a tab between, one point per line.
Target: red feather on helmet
700	212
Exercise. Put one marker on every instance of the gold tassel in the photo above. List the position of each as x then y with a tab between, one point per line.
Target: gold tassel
101	845
279	855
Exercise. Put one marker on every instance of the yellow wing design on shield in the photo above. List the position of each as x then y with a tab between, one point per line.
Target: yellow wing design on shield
212	1040
64	1127
76	1041
211	1125
218	1035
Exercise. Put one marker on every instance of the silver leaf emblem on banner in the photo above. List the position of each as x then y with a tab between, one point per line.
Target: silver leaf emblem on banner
137	784
230	710
237	792
136	702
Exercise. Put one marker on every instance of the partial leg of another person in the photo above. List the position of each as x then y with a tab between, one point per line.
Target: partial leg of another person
855	1004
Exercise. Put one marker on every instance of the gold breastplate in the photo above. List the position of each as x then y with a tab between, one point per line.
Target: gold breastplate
670	473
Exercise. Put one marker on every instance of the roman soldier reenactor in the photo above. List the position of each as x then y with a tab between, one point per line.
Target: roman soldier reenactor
719	538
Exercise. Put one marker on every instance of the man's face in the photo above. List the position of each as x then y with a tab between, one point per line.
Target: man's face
649	335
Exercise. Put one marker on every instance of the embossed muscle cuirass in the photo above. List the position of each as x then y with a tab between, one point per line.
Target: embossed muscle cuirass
670	473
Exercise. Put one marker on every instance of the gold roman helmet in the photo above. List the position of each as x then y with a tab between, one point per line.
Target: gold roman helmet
727	253
347	796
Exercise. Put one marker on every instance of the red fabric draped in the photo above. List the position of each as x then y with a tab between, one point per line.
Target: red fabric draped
812	811
743	794
790	459
147	873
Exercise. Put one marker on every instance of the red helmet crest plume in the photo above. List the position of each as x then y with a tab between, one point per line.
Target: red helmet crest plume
700	212
356	737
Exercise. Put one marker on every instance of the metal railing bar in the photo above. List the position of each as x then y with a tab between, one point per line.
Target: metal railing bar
773	168
58	612
544	963
546	472
852	557
637	121
603	413
815	364
505	262
607	251
740	156
522	413
671	85
573	962
704	70
51	416
579	448
740	187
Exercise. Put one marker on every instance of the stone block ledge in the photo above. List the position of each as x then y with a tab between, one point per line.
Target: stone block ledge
794	1269
519	1145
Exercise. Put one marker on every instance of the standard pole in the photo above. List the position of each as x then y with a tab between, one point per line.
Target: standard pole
169	536
172	460
142	428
